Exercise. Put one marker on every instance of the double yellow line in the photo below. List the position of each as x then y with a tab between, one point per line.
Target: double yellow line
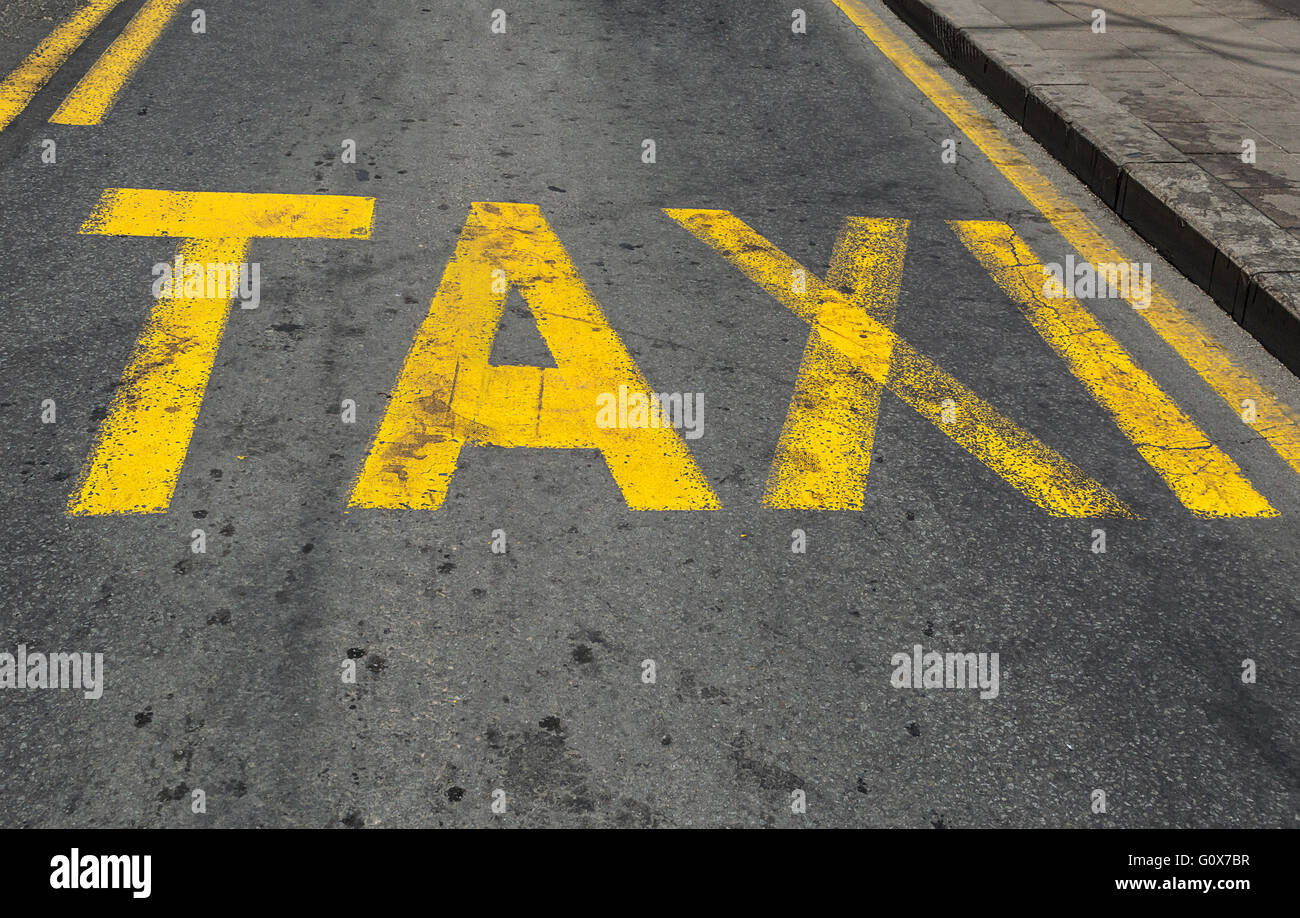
94	95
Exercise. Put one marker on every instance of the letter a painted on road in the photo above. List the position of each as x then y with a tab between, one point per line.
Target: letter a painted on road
449	395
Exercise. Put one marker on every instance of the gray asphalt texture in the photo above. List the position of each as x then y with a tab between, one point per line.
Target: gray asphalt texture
1119	671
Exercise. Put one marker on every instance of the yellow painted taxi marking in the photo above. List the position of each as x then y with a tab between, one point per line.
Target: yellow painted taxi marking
1044	476
824	453
221	214
1205	479
141	445
449	396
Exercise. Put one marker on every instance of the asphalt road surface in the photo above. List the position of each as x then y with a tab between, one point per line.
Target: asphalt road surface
431	592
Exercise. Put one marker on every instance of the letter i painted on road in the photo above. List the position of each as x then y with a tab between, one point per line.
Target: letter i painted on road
1204	477
449	396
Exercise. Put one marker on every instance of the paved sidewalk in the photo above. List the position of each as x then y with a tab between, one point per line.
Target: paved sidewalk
1204	76
1155	113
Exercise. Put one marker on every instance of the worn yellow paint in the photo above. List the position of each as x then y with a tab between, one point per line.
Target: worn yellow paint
1041	474
1276	422
142	442
220	214
1205	479
91	99
141	446
824	453
448	395
35	71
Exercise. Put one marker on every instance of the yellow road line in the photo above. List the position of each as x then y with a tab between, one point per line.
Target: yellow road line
1041	474
1276	422
90	101
1205	479
449	396
26	81
141	446
824	453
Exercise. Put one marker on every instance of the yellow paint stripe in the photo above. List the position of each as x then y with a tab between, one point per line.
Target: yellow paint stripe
218	214
26	81
1205	479
1041	474
142	442
824	453
1276	422
90	101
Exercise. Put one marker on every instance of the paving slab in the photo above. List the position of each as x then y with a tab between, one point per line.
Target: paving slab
1183	116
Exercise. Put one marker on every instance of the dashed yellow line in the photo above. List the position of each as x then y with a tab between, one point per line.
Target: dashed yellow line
1037	471
1276	422
1205	479
26	81
90	101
